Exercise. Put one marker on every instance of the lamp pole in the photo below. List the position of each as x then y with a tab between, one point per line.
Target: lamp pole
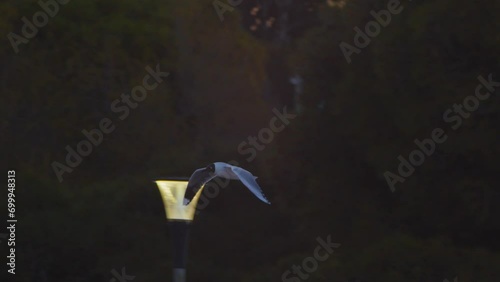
179	217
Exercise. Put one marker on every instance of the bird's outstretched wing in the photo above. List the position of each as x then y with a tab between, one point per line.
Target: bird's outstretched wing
196	181
249	180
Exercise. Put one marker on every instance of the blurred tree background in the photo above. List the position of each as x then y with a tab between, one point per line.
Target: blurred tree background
324	173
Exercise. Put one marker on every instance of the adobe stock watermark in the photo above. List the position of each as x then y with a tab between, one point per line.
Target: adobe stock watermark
372	29
453	116
39	20
122	108
310	264
253	144
121	277
221	7
265	135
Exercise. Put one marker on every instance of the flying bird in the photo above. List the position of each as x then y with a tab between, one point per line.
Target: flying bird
218	169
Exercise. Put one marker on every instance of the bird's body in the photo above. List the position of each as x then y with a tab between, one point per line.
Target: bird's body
223	170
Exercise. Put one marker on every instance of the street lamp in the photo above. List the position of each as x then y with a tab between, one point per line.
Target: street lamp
179	217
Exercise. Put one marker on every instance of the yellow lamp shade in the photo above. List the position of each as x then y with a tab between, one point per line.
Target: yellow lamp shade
172	193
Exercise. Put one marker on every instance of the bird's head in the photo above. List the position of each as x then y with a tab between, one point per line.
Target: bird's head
211	168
